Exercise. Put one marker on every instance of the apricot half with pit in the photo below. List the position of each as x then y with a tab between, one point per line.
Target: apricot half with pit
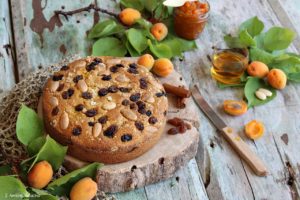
235	108
254	129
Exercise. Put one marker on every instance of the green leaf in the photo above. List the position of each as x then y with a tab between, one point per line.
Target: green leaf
29	125
143	23
294	77
293	54
136	4
160	50
105	28
35	145
253	26
277	38
52	152
137	39
178	45
174	45
289	64
131	50
233	42
150	5
158	13
12	188
259	40
252	85
257	54
64	184
5	170
246	39
109	46
186	45
37	194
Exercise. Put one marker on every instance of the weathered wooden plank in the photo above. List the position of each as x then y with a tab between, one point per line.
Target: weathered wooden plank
38	46
44	37
186	184
225	176
288	14
7	78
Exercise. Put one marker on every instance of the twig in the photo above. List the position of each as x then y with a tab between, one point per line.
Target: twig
87	9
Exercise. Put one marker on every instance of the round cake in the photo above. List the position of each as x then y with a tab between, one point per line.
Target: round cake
104	109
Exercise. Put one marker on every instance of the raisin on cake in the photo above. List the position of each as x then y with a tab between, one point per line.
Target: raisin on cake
105	109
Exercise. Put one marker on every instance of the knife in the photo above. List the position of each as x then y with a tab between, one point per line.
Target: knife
255	163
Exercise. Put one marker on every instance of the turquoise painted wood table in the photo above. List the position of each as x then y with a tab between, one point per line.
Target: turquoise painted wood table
32	37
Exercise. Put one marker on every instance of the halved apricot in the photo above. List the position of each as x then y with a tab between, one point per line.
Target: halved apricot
254	129
235	108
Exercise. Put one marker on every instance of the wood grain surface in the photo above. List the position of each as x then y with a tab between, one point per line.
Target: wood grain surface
217	173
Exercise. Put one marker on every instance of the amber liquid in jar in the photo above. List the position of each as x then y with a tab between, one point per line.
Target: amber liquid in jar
190	19
229	65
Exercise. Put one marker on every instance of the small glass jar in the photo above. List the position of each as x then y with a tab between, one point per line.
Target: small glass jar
190	19
229	65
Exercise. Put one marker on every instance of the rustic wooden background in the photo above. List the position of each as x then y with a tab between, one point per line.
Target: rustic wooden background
31	37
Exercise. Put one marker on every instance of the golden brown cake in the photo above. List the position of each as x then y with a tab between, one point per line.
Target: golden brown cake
105	109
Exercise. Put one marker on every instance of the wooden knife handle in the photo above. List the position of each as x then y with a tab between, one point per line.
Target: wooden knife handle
245	152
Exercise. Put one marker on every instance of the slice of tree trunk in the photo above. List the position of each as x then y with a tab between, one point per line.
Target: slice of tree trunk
159	163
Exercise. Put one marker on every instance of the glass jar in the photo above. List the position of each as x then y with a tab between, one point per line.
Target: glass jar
190	19
229	65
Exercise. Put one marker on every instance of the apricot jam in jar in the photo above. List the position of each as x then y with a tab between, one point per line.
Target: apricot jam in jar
190	19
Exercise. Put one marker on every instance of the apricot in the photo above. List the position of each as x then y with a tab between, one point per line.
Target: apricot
235	108
277	79
128	16
40	175
84	189
254	129
159	31
162	67
258	69
146	60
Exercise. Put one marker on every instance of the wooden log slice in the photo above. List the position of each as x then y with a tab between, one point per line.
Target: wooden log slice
159	163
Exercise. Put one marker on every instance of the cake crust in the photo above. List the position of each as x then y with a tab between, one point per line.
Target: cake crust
105	109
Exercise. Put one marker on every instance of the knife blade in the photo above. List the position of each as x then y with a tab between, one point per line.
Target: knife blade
255	163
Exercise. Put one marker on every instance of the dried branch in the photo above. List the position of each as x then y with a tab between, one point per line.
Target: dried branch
85	9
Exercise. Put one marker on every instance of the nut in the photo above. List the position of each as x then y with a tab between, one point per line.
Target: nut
151	129
97	129
129	114
109	106
122	78
64	121
54	85
53	101
260	95
82	86
78	64
268	93
148	98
